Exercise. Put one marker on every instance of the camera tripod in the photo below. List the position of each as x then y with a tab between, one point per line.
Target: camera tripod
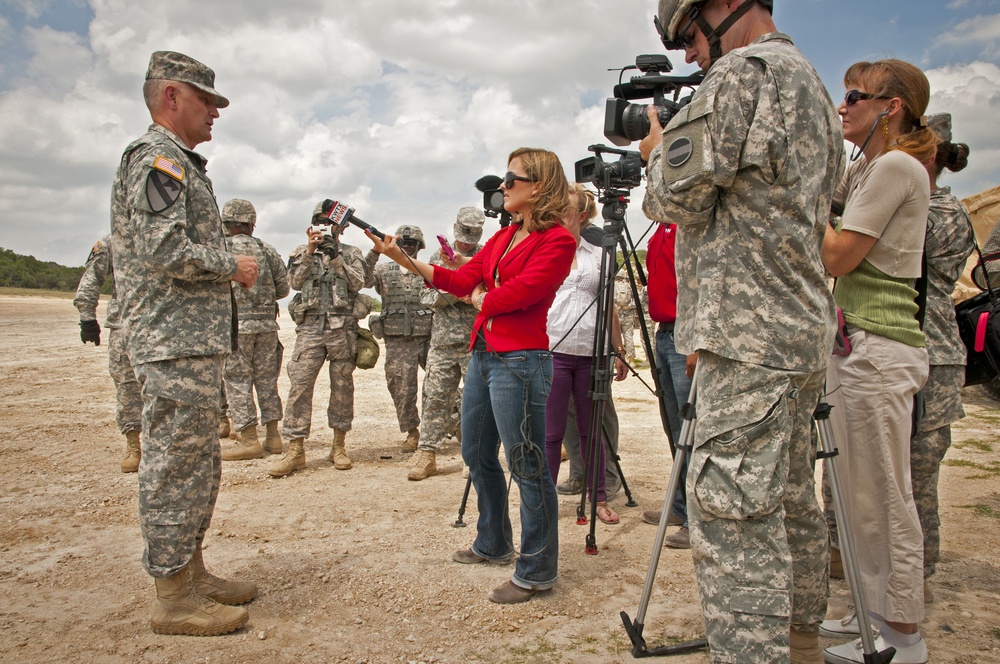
828	453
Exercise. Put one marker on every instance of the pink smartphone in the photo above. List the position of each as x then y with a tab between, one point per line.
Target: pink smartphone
446	248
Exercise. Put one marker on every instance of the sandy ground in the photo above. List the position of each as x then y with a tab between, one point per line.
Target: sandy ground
354	566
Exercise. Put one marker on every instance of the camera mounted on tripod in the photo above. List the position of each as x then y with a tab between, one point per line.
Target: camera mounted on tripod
625	173
625	122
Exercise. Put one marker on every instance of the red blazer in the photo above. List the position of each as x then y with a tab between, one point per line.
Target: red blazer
514	312
661	286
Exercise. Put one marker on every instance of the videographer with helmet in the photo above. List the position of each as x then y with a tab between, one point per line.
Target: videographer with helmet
747	171
405	325
257	362
328	275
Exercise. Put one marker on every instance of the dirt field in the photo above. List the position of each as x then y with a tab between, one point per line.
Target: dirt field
354	566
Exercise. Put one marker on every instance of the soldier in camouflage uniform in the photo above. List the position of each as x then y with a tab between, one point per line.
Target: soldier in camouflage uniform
129	412
747	171
328	275
626	314
255	365
405	326
173	274
448	356
947	245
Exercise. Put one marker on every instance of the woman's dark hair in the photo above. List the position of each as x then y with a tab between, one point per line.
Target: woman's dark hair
953	156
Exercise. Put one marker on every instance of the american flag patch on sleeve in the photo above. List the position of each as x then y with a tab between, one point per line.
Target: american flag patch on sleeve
169	167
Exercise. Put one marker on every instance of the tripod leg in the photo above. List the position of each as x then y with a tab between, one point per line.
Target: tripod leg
634	628
851	571
461	508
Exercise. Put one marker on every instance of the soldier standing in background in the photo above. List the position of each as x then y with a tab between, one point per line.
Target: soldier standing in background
128	414
405	324
626	313
448	355
256	363
328	275
173	273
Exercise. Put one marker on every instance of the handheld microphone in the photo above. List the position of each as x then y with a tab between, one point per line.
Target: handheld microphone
340	215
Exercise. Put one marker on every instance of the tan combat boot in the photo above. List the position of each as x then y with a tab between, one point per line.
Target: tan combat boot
225	428
338	455
133	452
804	646
293	459
412	439
246	446
180	611
423	466
273	442
222	591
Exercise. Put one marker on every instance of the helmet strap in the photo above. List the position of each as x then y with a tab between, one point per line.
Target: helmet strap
714	35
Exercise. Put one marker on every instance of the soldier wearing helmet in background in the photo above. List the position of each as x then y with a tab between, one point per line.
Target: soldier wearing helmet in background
747	171
405	326
328	275
128	415
448	356
257	361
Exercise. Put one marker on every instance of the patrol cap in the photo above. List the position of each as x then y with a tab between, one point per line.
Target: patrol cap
173	66
940	124
469	224
239	211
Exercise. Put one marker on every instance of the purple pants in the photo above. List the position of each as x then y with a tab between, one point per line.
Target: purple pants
571	377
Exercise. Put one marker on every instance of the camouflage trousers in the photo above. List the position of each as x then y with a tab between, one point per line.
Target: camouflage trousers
312	349
627	320
402	357
943	402
758	538
181	460
254	366
128	413
446	367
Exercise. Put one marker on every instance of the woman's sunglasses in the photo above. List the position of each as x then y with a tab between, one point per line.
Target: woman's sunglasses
854	96
510	178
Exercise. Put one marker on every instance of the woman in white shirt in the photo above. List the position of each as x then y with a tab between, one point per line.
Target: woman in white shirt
571	325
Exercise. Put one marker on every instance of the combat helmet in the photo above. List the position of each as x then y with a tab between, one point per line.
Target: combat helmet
239	211
413	232
671	12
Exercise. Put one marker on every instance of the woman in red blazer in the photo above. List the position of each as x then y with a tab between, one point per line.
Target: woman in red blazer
512	282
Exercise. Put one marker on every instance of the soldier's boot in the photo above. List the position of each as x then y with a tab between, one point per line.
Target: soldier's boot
338	455
804	647
133	452
272	442
293	459
178	610
246	446
222	591
412	440
423	466
225	428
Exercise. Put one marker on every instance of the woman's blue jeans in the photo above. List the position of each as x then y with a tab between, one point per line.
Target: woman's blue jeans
676	389
501	390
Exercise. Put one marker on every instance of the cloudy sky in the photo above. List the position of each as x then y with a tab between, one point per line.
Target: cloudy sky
395	107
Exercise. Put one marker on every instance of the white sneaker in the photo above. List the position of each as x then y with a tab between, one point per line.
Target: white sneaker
850	653
844	628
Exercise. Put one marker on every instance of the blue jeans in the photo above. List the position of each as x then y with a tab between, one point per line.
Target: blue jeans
497	387
672	367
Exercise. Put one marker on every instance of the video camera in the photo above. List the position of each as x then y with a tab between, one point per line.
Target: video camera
493	198
625	122
622	174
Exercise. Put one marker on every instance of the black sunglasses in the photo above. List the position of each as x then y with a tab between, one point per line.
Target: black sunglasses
854	96
510	178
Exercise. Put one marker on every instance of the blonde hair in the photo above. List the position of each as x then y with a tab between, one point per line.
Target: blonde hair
551	198
895	78
585	201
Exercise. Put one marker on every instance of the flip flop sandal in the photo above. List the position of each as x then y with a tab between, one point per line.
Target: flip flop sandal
608	516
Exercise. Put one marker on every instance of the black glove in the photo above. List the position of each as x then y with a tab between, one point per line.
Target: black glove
330	246
90	330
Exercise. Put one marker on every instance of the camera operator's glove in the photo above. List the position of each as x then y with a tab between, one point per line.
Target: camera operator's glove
90	330
330	246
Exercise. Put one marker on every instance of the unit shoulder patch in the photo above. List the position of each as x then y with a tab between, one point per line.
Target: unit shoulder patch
162	190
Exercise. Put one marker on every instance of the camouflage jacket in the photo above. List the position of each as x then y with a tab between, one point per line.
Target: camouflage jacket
453	319
257	307
948	244
88	292
171	264
747	171
328	288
